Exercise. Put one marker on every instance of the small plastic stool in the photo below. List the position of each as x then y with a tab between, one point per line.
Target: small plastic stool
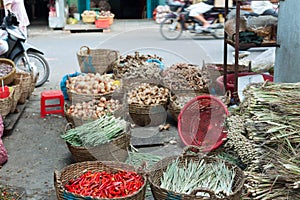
52	95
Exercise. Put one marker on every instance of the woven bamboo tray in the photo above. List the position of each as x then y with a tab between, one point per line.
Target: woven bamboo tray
155	174
77	169
148	115
9	78
115	150
6	104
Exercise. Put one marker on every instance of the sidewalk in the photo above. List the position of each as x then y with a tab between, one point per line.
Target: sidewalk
117	26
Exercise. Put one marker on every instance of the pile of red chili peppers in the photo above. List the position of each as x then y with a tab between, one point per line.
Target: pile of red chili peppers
106	185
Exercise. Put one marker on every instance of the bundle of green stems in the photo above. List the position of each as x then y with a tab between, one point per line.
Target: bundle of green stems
97	132
187	175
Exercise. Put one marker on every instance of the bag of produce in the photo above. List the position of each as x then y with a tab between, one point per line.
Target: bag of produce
3	152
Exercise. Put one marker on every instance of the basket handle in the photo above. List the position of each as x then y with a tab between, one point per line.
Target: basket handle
211	193
57	181
115	55
87	49
192	149
68	126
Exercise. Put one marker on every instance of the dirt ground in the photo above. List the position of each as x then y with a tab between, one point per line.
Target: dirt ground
35	150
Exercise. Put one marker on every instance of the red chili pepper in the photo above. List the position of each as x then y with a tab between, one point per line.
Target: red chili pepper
106	185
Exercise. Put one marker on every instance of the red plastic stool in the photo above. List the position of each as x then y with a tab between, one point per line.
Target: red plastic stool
52	95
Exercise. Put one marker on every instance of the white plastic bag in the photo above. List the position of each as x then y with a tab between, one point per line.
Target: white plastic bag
264	62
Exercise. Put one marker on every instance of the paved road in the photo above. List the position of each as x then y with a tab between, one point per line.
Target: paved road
35	147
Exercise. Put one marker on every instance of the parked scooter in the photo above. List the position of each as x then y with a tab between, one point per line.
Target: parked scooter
25	56
172	27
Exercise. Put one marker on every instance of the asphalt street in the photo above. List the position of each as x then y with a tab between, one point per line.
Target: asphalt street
34	145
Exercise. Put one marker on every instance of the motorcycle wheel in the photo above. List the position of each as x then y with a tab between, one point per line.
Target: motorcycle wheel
171	28
40	64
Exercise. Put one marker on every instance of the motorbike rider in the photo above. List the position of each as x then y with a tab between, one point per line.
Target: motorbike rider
18	8
3	42
196	9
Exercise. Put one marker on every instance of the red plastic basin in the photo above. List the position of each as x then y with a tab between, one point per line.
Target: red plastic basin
201	122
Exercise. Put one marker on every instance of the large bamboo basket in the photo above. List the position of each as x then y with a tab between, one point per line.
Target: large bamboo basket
97	60
148	115
6	104
155	174
25	79
16	97
77	169
9	78
115	150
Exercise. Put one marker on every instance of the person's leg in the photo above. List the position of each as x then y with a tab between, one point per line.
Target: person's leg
201	18
3	47
197	10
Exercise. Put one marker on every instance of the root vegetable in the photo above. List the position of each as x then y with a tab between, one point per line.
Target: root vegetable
91	84
183	76
145	95
94	109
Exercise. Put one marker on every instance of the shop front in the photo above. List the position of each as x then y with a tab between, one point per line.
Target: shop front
123	9
56	12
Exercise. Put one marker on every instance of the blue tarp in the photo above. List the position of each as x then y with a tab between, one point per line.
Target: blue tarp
63	81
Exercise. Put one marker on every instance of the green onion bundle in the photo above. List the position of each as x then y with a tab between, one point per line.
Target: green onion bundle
185	176
96	132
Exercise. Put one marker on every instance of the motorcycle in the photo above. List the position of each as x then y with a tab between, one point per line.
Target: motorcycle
25	56
172	27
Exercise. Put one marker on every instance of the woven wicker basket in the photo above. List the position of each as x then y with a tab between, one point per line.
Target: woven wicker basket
77	169
16	97
88	18
25	79
9	78
33	82
155	174
6	104
145	115
116	150
173	107
174	111
97	60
